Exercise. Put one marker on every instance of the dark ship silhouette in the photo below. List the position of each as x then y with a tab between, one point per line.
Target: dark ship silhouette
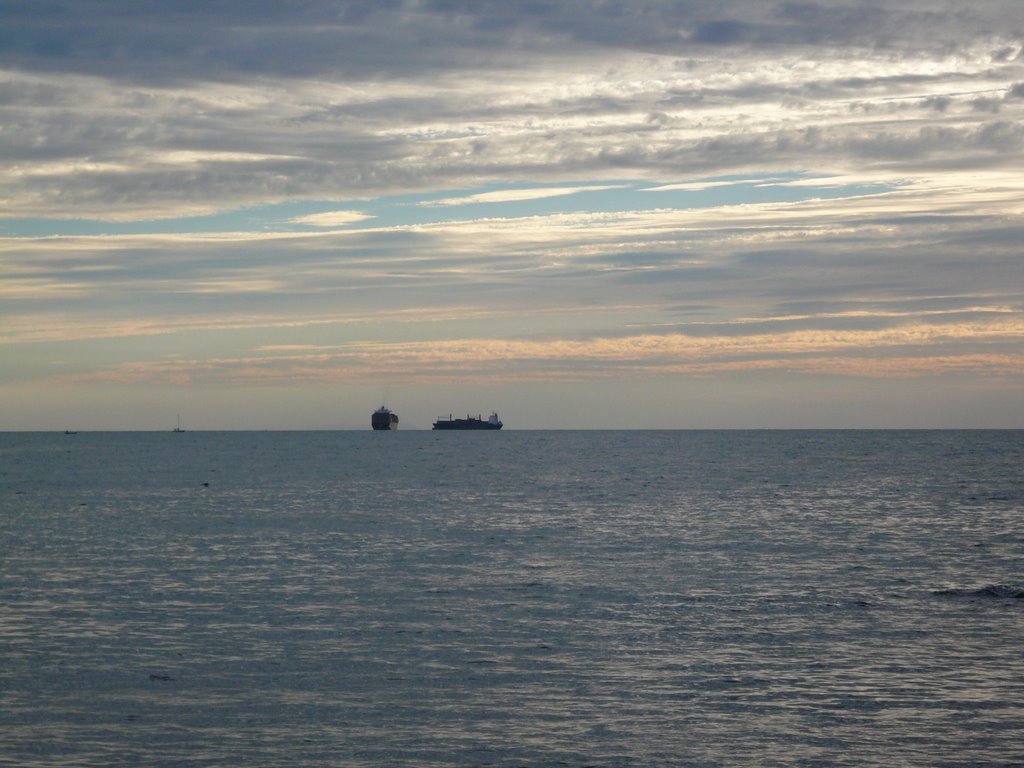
383	418
470	422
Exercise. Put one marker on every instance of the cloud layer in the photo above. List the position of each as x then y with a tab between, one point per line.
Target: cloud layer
510	192
117	110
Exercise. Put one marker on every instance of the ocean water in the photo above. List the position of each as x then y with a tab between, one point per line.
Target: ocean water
832	598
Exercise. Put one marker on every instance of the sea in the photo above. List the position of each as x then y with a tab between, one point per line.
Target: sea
513	598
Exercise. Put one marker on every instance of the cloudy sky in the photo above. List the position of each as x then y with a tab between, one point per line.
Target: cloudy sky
588	213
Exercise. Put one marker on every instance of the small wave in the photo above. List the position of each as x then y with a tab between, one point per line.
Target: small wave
996	591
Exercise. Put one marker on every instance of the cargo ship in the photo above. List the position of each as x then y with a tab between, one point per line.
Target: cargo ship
470	422
383	418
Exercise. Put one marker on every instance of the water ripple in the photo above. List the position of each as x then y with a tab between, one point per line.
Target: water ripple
607	599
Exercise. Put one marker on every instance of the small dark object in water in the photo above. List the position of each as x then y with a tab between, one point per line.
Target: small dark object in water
997	591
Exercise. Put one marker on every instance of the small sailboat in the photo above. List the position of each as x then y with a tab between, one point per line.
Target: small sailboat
178	428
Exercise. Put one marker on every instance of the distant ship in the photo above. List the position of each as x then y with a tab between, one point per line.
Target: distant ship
470	422
384	419
178	428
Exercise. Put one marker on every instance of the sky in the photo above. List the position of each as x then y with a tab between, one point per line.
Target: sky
580	214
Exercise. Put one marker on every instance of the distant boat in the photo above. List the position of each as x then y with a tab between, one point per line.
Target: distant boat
70	432
178	427
470	422
383	419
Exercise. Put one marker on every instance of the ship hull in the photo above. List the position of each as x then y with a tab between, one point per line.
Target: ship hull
384	420
466	425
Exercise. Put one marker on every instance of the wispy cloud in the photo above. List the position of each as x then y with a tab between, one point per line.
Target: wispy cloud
331	218
701	186
517	195
904	350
